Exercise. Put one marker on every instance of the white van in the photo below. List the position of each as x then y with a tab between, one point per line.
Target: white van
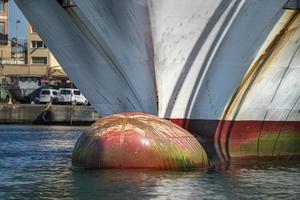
70	95
48	95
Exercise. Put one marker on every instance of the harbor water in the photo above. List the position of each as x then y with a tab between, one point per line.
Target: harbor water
35	163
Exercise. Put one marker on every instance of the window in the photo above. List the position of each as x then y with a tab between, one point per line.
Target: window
54	93
2	28
65	92
44	92
76	92
33	30
2	5
38	44
39	60
3	34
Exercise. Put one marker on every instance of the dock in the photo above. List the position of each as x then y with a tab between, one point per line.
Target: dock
47	115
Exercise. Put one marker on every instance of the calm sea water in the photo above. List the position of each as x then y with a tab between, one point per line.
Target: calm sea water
35	163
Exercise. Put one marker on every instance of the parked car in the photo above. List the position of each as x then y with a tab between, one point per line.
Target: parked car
48	95
70	95
33	98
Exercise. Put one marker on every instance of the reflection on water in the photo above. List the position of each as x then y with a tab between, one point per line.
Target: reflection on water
35	164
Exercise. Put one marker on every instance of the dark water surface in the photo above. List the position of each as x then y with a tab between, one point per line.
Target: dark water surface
35	163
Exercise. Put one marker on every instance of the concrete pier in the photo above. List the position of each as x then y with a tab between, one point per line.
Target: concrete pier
41	114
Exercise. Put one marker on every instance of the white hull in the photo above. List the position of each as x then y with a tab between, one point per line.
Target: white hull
228	71
183	59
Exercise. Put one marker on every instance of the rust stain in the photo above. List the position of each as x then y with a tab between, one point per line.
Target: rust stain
157	98
256	69
222	135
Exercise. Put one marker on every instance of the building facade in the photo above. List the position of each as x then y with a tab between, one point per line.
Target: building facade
26	64
38	53
5	44
3	22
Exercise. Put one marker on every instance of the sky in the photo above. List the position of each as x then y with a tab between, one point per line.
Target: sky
14	15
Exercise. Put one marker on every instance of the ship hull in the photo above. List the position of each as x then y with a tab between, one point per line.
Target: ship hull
236	141
228	71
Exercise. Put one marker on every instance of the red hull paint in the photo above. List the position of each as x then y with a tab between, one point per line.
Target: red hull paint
231	141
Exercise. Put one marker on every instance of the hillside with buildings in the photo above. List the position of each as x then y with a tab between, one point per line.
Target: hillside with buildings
25	64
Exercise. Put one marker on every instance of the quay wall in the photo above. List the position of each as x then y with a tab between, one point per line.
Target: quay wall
42	114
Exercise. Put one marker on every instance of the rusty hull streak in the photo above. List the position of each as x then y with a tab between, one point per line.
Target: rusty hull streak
237	99
256	68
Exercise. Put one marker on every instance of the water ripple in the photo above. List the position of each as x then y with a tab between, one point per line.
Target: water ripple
35	164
